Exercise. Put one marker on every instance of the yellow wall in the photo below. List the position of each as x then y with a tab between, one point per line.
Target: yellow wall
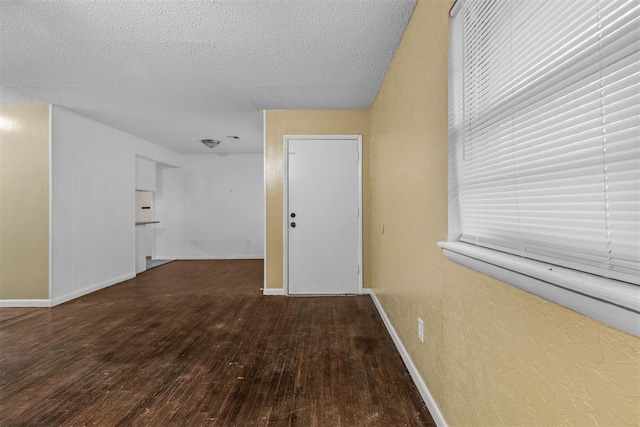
493	354
307	122
24	201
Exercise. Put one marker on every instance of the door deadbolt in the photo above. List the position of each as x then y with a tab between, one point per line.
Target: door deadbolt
293	214
293	224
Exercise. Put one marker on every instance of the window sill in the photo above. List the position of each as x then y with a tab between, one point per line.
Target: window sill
610	301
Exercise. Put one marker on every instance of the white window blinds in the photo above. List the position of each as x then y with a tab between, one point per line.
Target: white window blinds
544	130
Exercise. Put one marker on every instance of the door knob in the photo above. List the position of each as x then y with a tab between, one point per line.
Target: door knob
293	224
293	214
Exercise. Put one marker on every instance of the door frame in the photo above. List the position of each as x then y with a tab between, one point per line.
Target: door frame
285	197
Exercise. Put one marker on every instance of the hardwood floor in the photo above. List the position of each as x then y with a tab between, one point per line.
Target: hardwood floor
196	343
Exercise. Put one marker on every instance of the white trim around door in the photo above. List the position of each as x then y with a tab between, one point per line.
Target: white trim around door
264	198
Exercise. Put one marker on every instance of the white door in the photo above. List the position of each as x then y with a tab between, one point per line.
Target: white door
323	216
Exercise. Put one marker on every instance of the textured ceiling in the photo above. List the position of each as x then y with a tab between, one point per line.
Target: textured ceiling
175	72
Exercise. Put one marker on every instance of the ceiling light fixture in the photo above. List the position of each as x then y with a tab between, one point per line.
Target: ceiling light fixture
210	142
233	137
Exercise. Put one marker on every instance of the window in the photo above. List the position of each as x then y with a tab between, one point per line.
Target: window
544	140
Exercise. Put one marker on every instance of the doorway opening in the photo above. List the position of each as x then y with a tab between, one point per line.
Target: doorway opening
146	232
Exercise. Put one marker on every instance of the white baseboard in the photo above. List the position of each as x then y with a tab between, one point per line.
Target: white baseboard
90	289
25	303
273	291
201	257
413	371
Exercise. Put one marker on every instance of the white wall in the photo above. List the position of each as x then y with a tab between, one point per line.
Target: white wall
145	174
93	192
213	207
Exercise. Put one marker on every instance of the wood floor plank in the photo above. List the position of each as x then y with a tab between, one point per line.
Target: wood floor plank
195	343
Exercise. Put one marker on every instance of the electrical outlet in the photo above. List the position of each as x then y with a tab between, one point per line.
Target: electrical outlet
420	330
